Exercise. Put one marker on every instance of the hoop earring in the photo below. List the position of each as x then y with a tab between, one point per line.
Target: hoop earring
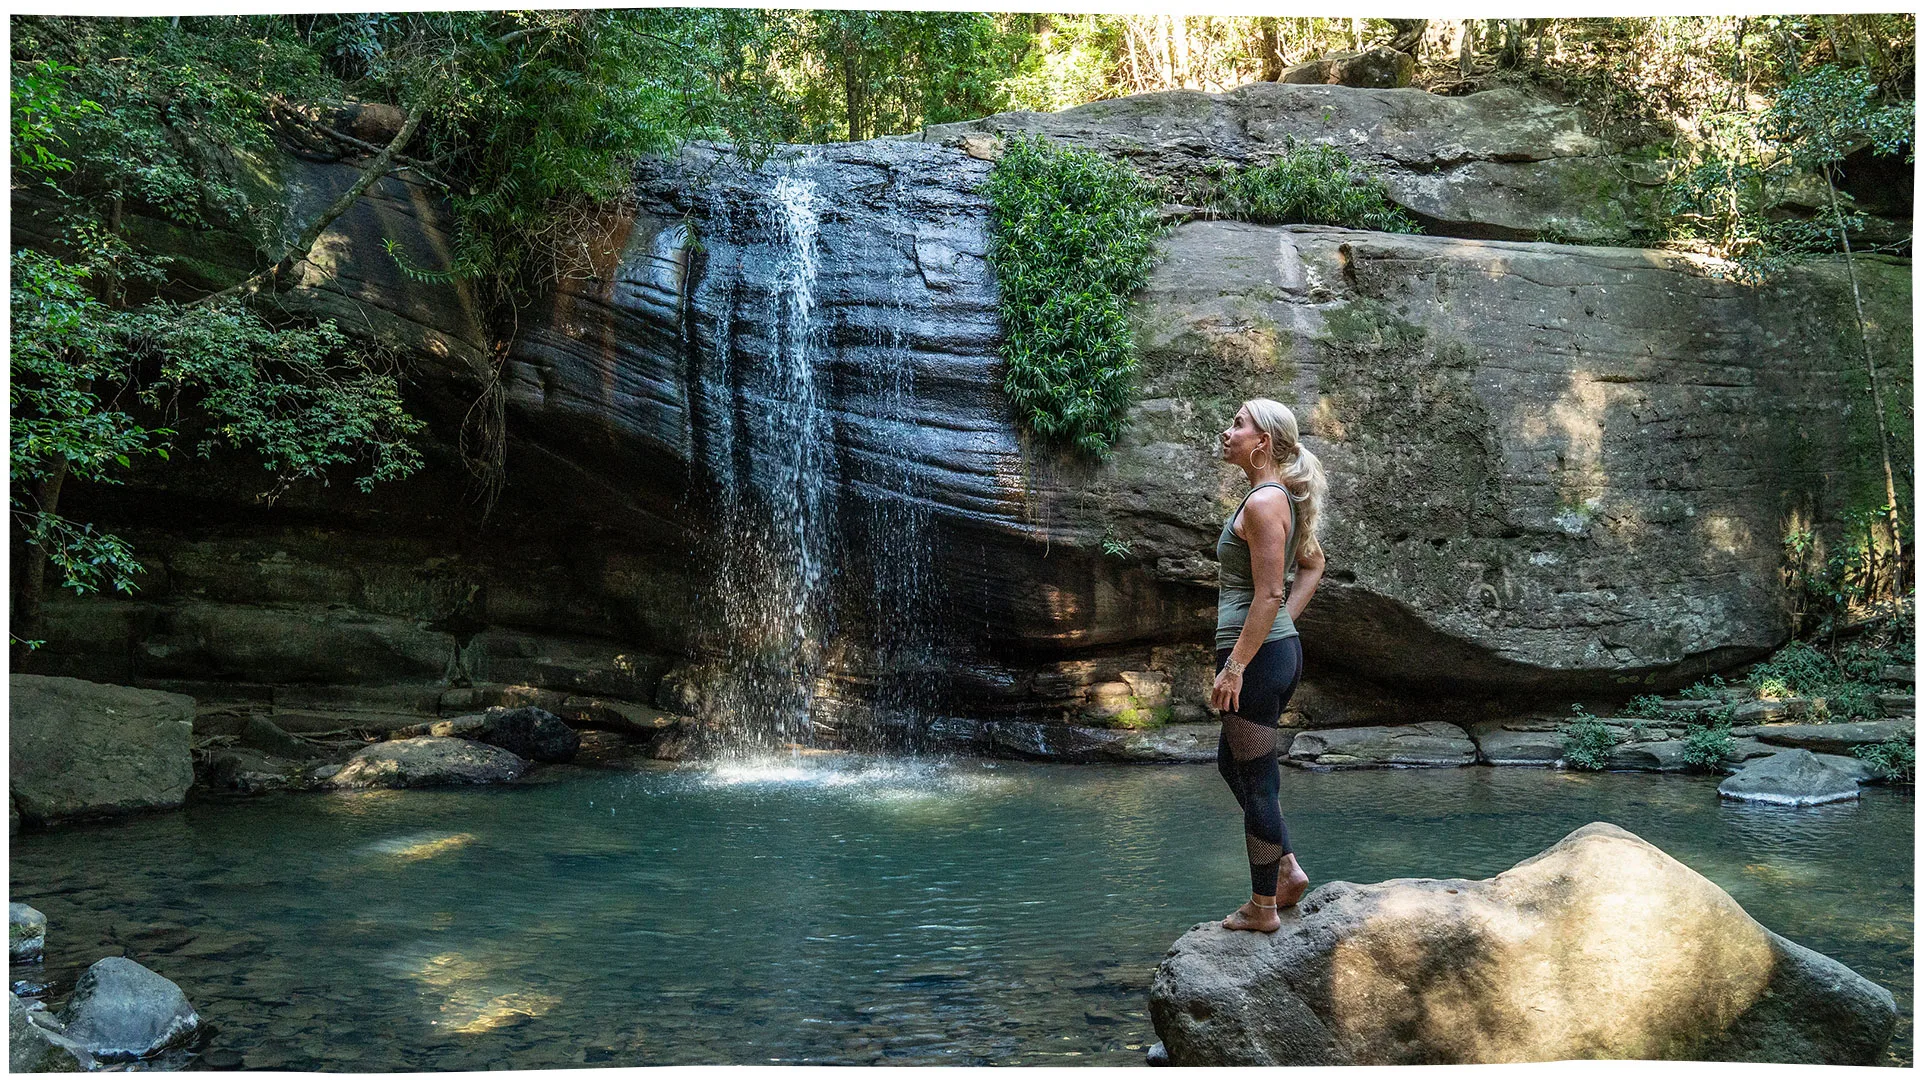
1257	468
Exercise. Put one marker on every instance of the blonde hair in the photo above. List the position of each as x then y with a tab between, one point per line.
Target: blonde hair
1300	470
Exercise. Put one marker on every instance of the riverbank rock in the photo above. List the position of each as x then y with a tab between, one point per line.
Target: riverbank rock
121	1011
1790	778
1380	68
1602	946
36	1044
427	761
529	732
1432	744
1834	738
26	933
82	749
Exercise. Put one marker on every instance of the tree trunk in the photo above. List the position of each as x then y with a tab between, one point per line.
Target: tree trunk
1466	48
1271	62
1407	35
1182	51
1873	381
27	616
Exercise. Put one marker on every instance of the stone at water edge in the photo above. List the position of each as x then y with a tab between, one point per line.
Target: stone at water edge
35	1044
529	732
26	933
1790	778
1434	744
426	761
121	1011
83	749
1600	946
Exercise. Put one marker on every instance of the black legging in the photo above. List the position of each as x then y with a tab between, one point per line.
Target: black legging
1249	758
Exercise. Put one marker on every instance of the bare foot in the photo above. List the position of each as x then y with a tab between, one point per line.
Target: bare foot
1262	918
1293	883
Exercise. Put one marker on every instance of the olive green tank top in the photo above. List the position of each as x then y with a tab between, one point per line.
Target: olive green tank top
1236	578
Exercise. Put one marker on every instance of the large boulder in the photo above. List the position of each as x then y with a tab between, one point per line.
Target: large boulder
1379	68
1790	778
427	761
83	749
1602	946
1835	738
121	1011
1432	743
1499	164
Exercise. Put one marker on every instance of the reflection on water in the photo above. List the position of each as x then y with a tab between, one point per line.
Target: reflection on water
833	908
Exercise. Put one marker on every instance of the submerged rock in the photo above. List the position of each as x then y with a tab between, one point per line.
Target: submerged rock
121	1011
427	761
1790	778
35	1042
1432	744
1602	946
26	933
83	749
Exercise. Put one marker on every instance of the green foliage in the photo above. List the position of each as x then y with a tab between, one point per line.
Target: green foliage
1857	570
1745	162
1706	746
1797	669
1705	690
889	72
1586	743
1843	689
1646	707
1073	239
1893	760
1306	185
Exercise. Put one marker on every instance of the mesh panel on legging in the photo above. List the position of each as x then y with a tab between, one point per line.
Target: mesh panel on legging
1251	765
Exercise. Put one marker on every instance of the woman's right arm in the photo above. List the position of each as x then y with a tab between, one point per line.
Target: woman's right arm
1309	567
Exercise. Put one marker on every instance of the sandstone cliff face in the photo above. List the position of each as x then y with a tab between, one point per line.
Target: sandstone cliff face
771	432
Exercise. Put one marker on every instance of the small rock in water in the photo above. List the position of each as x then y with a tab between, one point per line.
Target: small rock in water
26	933
121	1011
1790	778
1157	1055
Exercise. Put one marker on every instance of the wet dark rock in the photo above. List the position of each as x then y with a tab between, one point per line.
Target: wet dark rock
26	933
529	732
251	772
1157	1055
83	749
260	733
121	1011
1790	778
427	761
1602	946
36	1043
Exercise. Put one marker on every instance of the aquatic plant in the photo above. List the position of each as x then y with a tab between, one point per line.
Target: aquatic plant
1586	742
1073	239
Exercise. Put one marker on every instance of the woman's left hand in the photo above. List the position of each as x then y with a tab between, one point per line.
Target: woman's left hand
1226	691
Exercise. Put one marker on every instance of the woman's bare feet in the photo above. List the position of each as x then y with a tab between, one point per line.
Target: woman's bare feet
1293	882
1258	914
1262	913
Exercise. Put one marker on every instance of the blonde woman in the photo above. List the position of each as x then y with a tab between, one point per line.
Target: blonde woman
1257	658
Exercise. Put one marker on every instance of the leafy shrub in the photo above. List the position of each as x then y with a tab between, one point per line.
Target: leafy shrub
1705	689
1847	701
1706	746
1309	185
1893	760
1797	669
1073	238
1586	743
1646	707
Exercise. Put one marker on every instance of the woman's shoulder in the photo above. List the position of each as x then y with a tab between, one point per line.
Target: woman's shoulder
1271	504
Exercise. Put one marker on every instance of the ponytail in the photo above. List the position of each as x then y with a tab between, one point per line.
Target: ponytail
1300	469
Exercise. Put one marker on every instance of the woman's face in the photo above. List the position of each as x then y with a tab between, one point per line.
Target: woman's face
1241	439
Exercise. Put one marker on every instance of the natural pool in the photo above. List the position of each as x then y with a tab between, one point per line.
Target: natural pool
832	909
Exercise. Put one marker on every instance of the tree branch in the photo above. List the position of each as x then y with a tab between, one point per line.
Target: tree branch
275	276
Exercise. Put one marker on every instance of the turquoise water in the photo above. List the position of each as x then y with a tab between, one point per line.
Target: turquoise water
832	909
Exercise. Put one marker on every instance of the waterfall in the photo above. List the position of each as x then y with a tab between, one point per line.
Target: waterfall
775	505
810	441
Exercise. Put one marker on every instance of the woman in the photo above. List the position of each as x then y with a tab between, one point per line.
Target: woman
1257	662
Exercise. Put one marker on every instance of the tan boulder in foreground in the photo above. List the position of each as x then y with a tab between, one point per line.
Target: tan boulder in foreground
1603	946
